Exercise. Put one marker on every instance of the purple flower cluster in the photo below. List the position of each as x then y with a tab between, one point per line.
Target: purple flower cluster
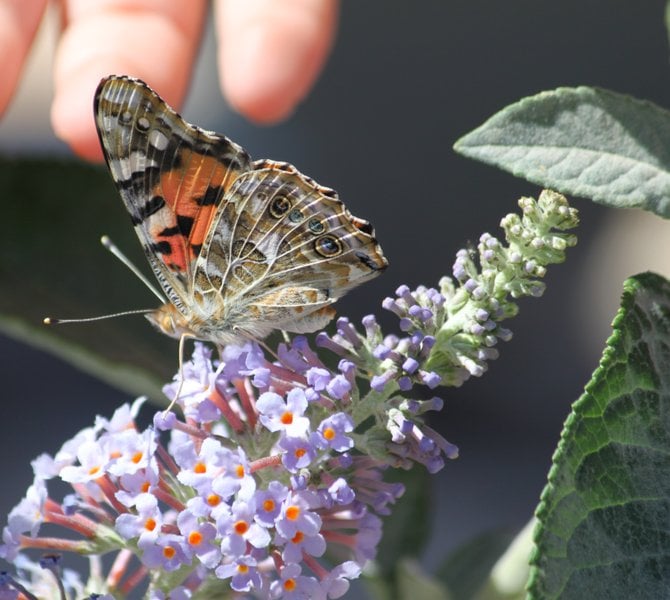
254	485
394	365
391	358
278	463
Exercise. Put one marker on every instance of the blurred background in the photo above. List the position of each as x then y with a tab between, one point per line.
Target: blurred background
406	80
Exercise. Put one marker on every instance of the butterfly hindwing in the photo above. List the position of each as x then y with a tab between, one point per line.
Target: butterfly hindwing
284	248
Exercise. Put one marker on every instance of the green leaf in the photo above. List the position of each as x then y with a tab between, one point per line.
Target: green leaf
507	579
413	582
52	264
377	587
604	518
466	570
406	533
582	141
407	530
406	580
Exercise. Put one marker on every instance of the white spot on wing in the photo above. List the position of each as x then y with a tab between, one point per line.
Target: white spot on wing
108	123
124	167
158	139
140	162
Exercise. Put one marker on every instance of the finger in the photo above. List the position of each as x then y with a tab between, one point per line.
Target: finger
270	53
18	23
155	40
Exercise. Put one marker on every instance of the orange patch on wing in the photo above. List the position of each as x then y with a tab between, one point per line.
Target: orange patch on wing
179	257
201	225
183	190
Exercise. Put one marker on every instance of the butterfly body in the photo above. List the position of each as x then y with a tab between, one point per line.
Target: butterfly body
239	247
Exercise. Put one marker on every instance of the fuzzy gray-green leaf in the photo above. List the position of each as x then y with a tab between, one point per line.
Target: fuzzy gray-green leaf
588	142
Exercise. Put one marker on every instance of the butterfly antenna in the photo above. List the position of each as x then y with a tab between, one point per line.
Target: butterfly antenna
140	311
182	342
113	248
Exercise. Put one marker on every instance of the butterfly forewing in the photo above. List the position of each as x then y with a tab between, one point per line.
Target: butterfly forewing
171	176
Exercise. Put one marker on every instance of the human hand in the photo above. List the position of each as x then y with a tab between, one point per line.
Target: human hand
269	53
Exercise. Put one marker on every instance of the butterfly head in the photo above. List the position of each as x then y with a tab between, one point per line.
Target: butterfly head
170	321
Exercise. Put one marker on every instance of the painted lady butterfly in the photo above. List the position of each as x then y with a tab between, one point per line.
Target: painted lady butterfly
240	247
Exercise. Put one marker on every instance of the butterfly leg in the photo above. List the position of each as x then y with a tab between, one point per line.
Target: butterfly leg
182	343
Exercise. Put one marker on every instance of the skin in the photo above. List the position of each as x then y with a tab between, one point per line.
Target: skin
270	53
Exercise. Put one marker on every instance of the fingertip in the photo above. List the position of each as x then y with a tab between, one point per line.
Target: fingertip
18	25
268	96
8	84
11	68
72	115
270	56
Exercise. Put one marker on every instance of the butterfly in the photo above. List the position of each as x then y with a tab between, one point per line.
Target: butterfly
239	247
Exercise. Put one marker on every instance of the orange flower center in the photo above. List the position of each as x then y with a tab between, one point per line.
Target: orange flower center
298	537
200	468
292	512
241	527
169	552
213	499
329	433
195	538
287	418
